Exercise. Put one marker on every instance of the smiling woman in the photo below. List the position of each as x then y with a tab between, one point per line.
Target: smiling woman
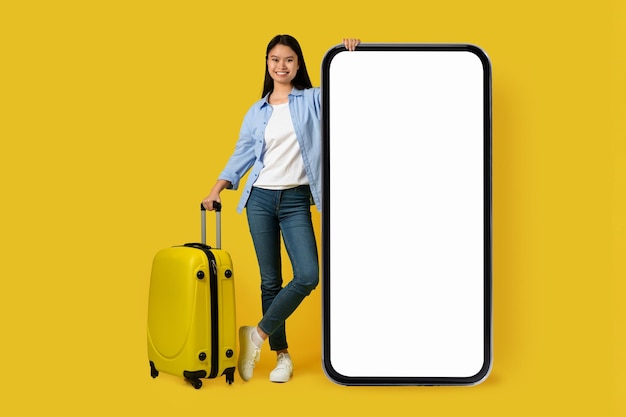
280	142
285	69
282	67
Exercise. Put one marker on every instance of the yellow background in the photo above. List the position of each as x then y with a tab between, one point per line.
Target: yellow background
117	116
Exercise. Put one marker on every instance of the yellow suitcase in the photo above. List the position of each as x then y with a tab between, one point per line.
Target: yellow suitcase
191	311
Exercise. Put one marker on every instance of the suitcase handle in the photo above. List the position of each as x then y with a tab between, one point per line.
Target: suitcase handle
217	206
218	224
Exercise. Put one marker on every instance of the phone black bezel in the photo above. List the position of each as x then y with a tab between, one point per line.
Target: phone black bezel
326	219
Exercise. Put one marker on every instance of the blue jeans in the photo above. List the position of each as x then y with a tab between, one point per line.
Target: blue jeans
270	213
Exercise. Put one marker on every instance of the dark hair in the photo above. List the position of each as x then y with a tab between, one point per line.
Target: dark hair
302	80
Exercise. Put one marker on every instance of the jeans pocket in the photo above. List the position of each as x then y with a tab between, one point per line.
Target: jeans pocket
305	191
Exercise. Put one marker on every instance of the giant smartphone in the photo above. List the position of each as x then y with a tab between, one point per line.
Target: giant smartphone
406	219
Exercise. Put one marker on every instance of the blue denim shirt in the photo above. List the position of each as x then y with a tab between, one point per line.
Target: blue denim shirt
304	106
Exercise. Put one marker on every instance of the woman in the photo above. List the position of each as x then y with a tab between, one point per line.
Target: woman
280	141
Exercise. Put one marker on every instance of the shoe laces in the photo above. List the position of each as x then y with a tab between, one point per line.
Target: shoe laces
283	361
254	358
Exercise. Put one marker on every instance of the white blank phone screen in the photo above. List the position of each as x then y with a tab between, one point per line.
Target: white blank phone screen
406	195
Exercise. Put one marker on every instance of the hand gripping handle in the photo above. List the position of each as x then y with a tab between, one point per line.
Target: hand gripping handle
218	224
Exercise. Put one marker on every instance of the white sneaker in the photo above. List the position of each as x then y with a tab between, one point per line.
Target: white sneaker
249	353
283	370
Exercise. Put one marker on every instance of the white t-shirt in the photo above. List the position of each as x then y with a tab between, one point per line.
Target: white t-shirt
283	166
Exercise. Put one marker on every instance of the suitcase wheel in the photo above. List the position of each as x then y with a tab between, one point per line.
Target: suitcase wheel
196	383
230	375
153	370
194	378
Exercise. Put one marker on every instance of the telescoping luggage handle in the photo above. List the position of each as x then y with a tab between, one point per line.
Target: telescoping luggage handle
218	222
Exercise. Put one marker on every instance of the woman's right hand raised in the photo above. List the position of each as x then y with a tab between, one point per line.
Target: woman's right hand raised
351	43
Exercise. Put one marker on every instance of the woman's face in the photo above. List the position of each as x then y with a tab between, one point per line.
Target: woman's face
282	64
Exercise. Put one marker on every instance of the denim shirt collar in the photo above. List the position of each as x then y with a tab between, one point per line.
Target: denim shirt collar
294	92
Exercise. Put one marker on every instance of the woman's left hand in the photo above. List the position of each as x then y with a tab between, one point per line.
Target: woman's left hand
351	43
